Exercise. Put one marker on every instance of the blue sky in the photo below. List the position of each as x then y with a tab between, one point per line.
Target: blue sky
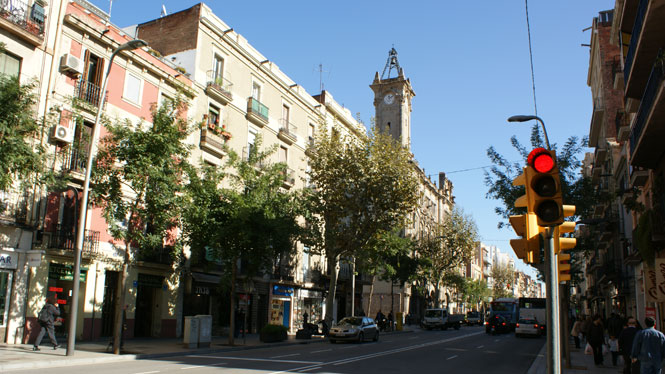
468	62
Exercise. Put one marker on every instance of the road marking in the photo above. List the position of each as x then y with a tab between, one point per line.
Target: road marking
451	357
480	347
414	337
148	372
378	354
314	368
496	340
322	350
351	346
192	367
220	364
493	352
289	355
457	349
259	359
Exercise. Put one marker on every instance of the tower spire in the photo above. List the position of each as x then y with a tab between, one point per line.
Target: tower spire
391	64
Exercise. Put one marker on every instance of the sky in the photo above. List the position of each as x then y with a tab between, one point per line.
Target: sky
468	62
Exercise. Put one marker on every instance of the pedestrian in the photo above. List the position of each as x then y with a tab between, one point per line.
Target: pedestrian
576	332
596	338
46	318
390	320
626	345
614	325
586	327
649	348
614	349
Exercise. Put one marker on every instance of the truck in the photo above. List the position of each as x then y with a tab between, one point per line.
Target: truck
507	308
439	318
533	308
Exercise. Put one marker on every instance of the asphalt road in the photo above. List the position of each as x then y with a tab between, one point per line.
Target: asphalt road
468	350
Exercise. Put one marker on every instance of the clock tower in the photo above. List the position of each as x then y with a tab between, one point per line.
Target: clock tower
392	101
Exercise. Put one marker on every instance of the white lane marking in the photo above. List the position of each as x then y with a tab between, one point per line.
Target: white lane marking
192	367
480	346
384	353
314	368
220	364
259	359
148	372
289	355
322	350
457	349
451	357
351	346
414	337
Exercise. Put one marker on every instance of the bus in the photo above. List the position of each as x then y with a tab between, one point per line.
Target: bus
533	308
506	307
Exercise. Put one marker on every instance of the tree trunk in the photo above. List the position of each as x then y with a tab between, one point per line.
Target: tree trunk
371	293
120	302
333	269
232	314
392	296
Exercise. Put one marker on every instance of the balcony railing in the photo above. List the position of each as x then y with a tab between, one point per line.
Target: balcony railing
90	93
257	110
75	160
634	38
14	206
29	18
222	87
65	238
655	80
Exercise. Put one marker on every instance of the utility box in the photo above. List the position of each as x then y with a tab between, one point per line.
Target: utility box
191	333
205	330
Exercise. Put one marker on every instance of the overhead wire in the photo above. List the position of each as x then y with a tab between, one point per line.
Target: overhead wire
533	79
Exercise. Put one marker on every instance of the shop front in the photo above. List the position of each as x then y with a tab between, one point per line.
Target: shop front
59	288
308	302
8	264
281	302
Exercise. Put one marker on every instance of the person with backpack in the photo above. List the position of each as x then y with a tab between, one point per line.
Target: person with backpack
46	319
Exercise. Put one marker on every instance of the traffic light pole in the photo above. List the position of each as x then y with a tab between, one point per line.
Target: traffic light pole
553	332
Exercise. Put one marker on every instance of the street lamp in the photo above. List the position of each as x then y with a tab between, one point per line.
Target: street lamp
71	337
523	118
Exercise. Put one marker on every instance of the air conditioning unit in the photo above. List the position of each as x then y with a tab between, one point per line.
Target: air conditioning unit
70	64
63	134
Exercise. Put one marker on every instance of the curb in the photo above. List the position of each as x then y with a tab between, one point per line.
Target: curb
39	364
538	366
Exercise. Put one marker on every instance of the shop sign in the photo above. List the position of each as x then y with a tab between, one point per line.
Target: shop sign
651	294
8	260
65	272
202	290
651	312
34	257
660	279
282	290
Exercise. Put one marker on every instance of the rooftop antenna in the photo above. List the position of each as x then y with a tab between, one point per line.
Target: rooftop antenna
164	12
110	7
321	71
391	64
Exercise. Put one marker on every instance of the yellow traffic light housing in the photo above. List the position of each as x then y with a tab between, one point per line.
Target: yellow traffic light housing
563	266
544	187
565	243
525	225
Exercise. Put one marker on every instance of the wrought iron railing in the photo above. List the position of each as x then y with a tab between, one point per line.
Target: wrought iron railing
634	38
14	205
221	84
29	18
648	98
90	93
287	127
65	238
75	160
258	108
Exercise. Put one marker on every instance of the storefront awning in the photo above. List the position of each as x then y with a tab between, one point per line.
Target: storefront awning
206	278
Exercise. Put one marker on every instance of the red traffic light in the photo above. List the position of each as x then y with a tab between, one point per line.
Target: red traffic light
541	160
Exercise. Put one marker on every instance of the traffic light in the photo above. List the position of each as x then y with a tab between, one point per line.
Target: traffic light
565	243
525	225
544	187
563	266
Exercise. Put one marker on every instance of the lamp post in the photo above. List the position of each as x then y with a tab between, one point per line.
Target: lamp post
71	335
551	274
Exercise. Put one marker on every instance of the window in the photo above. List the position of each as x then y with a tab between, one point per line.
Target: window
213	115
283	154
132	88
256	91
251	138
311	131
10	65
165	100
285	116
218	68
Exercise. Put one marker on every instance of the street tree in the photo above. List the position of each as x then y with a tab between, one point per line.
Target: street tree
476	292
251	220
362	186
503	277
137	180
449	246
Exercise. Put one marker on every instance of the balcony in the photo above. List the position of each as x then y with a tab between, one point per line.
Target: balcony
25	22
647	132
213	142
287	132
648	35
159	255
289	178
87	96
257	113
218	88
64	238
600	156
596	121
14	206
74	162
621	126
617	74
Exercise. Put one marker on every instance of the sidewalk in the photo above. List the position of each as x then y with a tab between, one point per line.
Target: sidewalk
21	356
580	363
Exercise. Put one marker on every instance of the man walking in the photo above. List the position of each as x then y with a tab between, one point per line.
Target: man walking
626	338
46	319
649	348
596	339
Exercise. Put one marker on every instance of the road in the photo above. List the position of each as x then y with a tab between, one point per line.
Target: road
468	350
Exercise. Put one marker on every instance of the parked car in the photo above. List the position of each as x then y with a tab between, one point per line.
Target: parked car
473	318
527	327
438	318
355	329
497	324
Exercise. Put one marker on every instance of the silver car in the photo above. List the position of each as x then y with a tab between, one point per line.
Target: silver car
355	329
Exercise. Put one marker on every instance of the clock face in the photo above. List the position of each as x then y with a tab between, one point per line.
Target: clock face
389	98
